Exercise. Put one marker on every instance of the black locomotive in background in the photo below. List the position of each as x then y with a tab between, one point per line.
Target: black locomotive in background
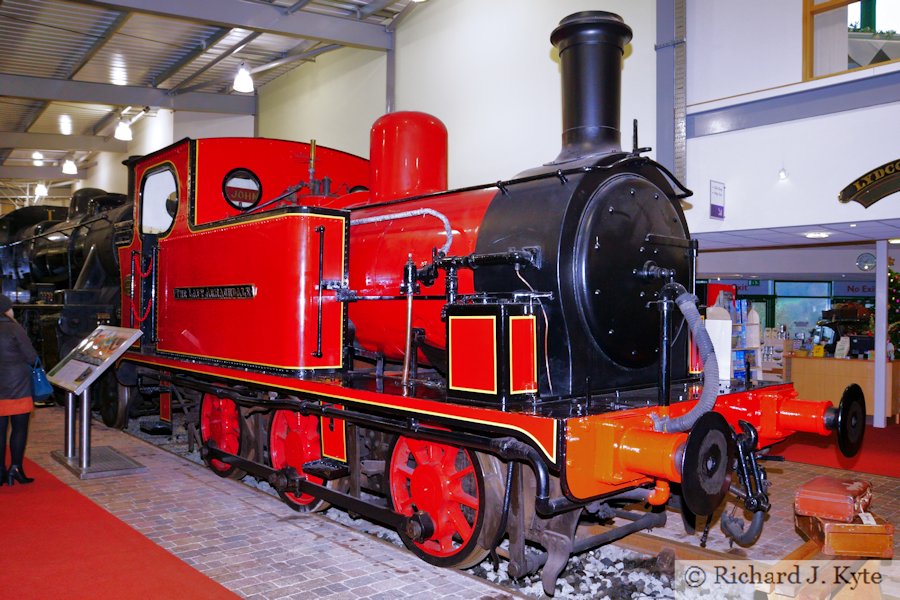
60	267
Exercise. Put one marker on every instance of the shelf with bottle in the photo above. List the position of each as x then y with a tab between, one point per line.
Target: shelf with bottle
745	342
775	353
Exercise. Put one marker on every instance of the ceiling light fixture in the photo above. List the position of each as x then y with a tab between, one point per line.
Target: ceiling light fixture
123	131
782	174
894	241
852	224
37	159
243	82
817	235
40	190
69	167
65	125
123	127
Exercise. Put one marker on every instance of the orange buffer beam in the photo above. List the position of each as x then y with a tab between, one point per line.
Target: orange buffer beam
774	411
615	451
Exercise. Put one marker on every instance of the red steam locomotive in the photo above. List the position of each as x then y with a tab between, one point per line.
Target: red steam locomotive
462	365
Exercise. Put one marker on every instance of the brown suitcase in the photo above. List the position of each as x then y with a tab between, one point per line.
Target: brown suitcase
857	539
832	498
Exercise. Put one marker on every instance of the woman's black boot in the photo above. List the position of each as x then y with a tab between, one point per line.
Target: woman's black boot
16	474
2	476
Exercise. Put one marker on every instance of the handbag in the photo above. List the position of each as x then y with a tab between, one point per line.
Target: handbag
41	388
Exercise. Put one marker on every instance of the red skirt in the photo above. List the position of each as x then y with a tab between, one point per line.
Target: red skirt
16	406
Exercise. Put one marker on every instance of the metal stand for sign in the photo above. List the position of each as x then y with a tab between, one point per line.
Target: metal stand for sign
90	463
87	462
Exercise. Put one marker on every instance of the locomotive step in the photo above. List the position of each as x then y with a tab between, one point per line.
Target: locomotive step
326	468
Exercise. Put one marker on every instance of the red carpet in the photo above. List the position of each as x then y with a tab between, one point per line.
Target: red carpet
56	543
880	452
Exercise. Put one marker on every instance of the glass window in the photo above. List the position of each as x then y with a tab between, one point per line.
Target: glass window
761	306
819	289
159	201
242	189
855	34
800	315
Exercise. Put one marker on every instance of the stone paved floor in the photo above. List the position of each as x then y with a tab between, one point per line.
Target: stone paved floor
256	546
247	540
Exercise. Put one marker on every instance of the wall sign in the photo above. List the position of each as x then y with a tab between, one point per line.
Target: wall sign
716	199
862	289
871	187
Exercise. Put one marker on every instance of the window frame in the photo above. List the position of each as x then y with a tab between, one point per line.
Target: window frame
165	167
810	10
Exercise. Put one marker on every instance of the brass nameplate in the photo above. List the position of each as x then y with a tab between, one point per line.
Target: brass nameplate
216	292
874	185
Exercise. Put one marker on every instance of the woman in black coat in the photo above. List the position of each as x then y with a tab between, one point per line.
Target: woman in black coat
17	355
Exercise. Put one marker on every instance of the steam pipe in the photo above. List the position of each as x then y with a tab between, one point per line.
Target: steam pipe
687	304
419	212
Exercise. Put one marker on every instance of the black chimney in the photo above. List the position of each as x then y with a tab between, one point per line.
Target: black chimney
590	47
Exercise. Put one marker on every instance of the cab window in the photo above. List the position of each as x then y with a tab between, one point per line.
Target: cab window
159	201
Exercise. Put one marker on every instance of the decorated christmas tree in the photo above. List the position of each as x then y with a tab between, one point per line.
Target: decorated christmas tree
894	310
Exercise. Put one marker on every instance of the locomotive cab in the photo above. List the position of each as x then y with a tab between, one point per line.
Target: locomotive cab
213	252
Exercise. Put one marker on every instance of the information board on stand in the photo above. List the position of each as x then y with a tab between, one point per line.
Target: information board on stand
75	373
92	357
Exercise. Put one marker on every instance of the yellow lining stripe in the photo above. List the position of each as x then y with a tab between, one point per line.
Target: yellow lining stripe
549	453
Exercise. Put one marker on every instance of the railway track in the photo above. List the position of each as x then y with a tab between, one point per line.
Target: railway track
639	565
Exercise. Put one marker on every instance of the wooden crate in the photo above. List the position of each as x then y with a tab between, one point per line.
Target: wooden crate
860	539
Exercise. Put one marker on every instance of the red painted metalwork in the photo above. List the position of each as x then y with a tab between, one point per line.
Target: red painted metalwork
522	354
165	407
294	441
442	481
220	421
775	412
408	155
217	157
380	250
473	354
334	437
282	283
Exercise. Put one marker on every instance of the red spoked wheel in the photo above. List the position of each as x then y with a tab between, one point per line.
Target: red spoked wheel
294	440
447	484
221	422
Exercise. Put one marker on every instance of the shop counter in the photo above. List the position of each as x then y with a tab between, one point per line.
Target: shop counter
826	378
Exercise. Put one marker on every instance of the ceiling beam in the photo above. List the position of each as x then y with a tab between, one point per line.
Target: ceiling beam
373	7
209	65
193	55
261	17
53	141
38	173
44	88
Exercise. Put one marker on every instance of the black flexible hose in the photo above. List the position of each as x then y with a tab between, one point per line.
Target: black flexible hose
687	304
733	527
